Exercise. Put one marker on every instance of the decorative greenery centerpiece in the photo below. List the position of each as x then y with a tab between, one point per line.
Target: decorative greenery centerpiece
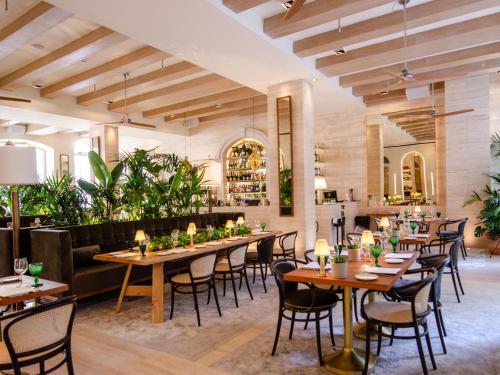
339	264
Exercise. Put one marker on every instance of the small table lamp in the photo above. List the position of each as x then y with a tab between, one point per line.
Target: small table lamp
17	167
191	231
240	221
140	237
322	250
367	240
384	223
229	225
416	211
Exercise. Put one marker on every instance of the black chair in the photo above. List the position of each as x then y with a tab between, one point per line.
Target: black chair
34	336
263	258
286	246
309	256
445	233
301	301
201	274
234	266
456	246
402	315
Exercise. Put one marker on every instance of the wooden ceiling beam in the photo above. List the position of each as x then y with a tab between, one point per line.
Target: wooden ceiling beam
80	78
205	85
388	24
415	122
239	6
423	126
442	61
316	13
59	53
449	38
241	112
218	108
408	111
25	19
169	73
429	77
200	102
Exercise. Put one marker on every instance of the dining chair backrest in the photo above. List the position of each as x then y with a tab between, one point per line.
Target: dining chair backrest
265	249
279	268
422	291
237	256
309	256
287	242
40	330
202	267
461	226
377	222
454	251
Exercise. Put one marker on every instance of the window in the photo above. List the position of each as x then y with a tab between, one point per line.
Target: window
82	165
44	156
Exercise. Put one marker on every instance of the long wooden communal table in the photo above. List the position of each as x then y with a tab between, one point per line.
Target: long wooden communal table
350	360
156	289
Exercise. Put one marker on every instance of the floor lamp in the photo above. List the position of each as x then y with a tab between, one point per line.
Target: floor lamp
17	167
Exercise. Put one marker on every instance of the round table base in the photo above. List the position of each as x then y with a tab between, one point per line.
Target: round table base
360	332
348	362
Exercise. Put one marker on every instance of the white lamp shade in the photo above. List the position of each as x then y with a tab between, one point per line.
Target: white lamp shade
140	235
417	209
213	173
321	248
229	224
191	229
18	165
319	183
384	222
367	238
240	220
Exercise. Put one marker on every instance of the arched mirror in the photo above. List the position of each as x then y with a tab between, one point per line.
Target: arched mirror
413	178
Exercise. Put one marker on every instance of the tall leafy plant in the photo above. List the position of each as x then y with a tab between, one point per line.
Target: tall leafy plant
105	200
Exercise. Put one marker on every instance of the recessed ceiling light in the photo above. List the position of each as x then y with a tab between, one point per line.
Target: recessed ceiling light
384	92
83	60
498	71
37	46
37	84
287	4
340	52
281	81
217	106
109	102
315	79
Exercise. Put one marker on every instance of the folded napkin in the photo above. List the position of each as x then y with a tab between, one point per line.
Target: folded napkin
10	279
200	246
164	252
177	251
214	243
11	290
399	255
383	270
422	235
315	266
126	255
117	252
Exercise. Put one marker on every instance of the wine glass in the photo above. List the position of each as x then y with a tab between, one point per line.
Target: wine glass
263	225
20	267
35	271
210	232
376	251
413	226
394	240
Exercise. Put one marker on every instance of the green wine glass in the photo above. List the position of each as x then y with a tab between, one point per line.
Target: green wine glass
35	271
394	240
413	226
376	251
263	225
438	214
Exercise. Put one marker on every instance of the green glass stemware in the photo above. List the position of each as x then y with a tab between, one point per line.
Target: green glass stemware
35	271
394	240
376	251
413	226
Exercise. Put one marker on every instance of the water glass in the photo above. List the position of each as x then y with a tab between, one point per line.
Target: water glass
20	267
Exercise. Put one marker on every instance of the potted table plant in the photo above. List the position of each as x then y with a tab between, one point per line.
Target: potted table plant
354	252
339	267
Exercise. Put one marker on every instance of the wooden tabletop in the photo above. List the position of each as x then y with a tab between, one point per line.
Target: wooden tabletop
383	284
404	240
49	288
152	257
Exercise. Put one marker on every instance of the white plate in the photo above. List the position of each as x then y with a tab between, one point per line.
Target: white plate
366	276
394	260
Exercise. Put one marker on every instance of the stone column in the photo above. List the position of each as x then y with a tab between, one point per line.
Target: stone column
375	160
467	139
111	146
304	219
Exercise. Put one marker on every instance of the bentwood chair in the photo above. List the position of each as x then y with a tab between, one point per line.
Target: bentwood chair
310	301
445	233
34	336
201	278
262	258
286	246
234	267
410	314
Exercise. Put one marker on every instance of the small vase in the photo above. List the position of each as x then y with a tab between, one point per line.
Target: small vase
339	270
354	255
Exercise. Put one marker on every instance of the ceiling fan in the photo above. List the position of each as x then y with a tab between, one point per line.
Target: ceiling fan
13	99
292	7
435	113
126	120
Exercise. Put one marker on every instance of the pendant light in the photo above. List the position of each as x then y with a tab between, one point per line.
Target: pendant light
254	160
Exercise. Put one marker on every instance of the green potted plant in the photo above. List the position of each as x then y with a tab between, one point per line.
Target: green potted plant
339	267
354	252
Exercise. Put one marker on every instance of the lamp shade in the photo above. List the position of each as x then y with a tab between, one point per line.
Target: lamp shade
321	248
229	224
191	229
240	220
384	222
319	183
417	210
18	165
367	238
140	236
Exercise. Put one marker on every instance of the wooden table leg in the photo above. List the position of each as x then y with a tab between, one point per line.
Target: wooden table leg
157	293
124	289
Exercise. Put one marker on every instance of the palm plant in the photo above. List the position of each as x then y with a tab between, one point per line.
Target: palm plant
4	202
104	195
